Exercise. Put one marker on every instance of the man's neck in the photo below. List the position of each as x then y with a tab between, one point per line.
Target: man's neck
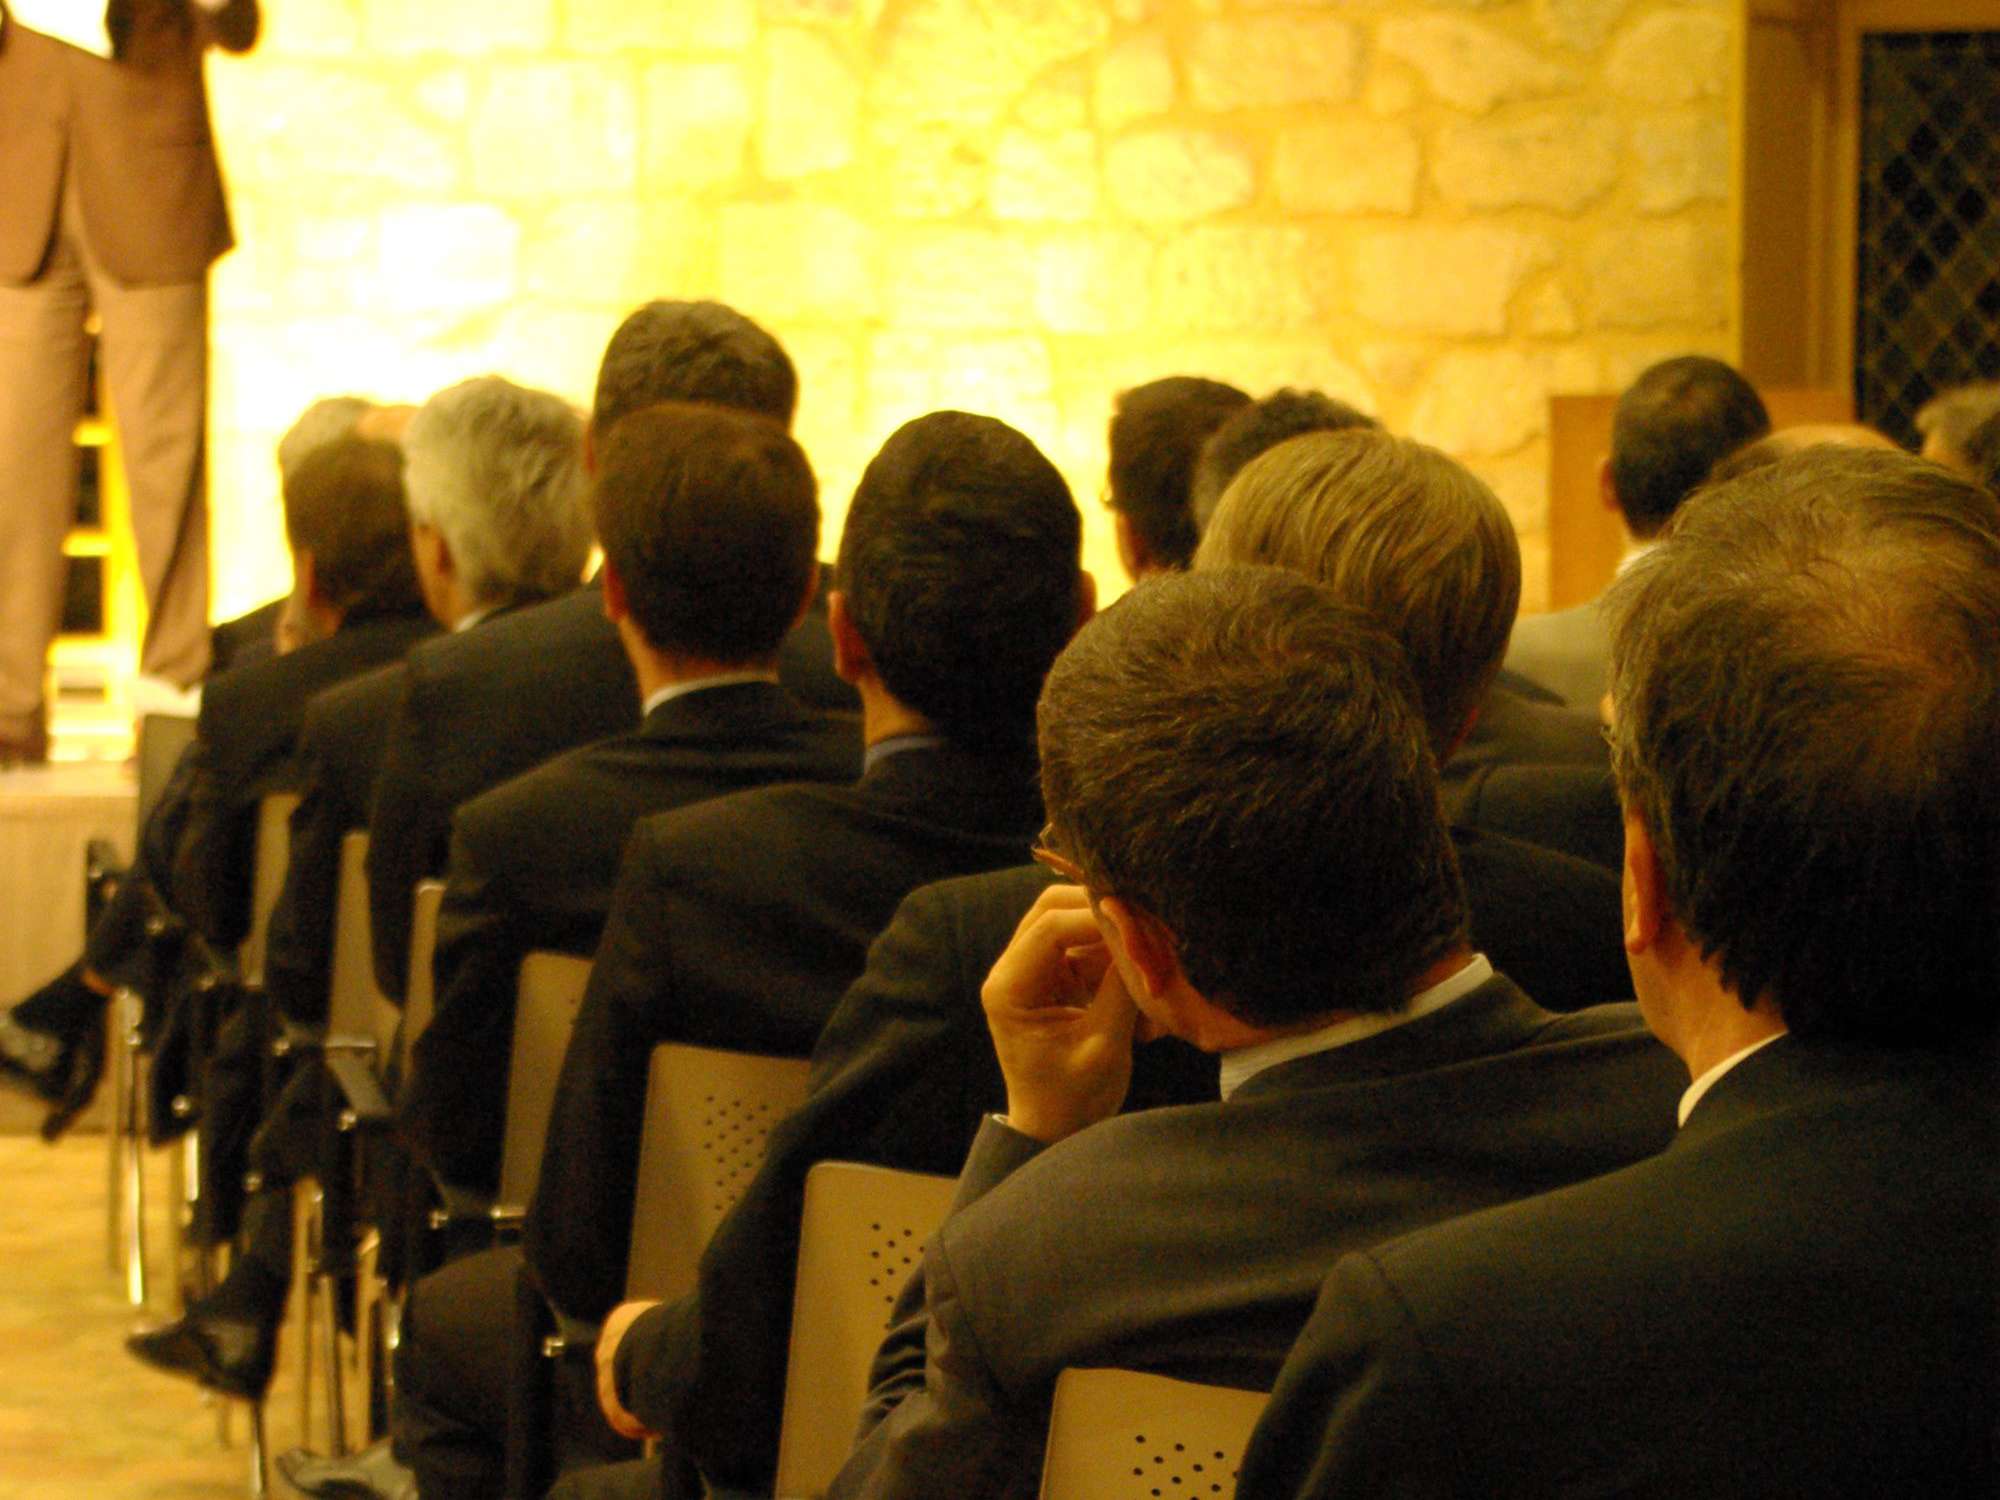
1699	1018
886	717
657	671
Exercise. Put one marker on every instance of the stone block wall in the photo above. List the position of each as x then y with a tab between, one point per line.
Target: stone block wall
1442	210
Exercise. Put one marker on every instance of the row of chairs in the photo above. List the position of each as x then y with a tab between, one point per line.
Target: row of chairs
707	1116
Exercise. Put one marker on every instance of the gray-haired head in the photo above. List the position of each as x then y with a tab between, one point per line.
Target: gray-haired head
497	469
326	421
1949	419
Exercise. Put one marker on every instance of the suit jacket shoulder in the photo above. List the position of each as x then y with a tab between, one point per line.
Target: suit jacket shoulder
1706	1321
1567	651
1549	922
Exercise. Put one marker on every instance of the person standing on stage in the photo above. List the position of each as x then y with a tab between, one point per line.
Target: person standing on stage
110	199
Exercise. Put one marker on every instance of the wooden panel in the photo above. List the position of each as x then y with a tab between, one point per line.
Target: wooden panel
1586	537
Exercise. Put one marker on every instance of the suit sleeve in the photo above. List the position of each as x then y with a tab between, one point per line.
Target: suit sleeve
406	834
901	1076
215	848
580	1221
298	955
937	1421
1357	1409
455	1108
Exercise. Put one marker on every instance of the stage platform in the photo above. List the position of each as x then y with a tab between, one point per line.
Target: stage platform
47	815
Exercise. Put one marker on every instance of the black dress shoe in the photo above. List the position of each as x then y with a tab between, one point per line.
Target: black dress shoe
36	1061
227	1354
371	1474
86	1069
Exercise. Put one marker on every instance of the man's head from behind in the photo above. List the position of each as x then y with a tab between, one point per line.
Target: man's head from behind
1399	530
349	529
709	520
959	572
1157	430
1948	420
496	485
1256	428
1806	674
692	351
1234	754
1677	421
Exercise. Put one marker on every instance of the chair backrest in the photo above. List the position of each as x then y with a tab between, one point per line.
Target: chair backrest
274	845
1115	1434
162	739
352	996
708	1114
420	995
858	1242
545	1006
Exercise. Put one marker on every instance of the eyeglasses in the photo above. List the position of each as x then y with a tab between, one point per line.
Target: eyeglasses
1045	856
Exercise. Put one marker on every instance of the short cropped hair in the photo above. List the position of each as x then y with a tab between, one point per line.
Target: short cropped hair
710	518
1402	531
1157	430
344	504
325	421
1675	423
692	351
498	469
1237	752
1263	424
960	562
1806	673
1982	452
1948	420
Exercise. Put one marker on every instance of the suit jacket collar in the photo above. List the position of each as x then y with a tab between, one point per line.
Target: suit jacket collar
996	791
732	708
1497	1017
1795	1073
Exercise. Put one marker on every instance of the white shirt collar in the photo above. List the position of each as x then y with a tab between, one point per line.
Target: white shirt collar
1244	1063
471	618
1708	1080
675	690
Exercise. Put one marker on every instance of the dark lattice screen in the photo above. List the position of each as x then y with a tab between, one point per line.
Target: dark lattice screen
1928	278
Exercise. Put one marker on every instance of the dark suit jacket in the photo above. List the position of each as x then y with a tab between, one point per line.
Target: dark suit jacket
247	638
1549	922
1573	809
1193	1241
1796	1298
246	744
133	132
480	707
340	749
1514	729
738	923
1567	651
902	1076
532	864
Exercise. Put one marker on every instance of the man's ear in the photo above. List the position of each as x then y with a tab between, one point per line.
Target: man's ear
851	659
1131	548
1086	598
1149	946
615	606
1607	493
806	599
305	576
590	447
1642	888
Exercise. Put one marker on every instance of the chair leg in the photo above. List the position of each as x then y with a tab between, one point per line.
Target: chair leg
336	1395
260	1481
133	1125
114	1135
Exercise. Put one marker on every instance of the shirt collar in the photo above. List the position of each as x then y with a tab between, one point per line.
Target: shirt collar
471	618
896	744
675	690
1244	1063
1709	1079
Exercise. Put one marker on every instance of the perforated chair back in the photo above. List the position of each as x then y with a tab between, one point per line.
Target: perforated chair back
162	740
420	995
352	997
1123	1435
858	1242
708	1114
274	846
545	1006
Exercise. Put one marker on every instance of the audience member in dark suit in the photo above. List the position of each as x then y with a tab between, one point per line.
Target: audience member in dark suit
347	526
1677	421
708	519
1426	548
1156	436
1241	788
739	922
551	677
495	479
1798	1296
1573	809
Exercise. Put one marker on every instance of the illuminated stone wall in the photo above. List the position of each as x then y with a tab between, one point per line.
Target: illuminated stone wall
1441	209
